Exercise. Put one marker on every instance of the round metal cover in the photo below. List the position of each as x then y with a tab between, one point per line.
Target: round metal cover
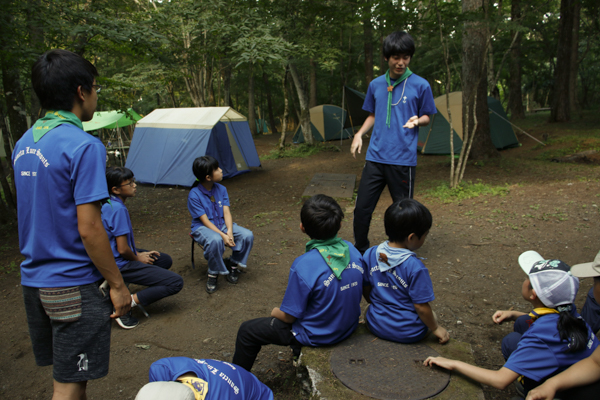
387	370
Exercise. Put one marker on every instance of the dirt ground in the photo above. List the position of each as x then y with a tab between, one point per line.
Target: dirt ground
471	253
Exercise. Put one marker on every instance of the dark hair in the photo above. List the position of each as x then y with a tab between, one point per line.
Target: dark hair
203	166
115	176
321	217
57	74
572	329
397	43
405	217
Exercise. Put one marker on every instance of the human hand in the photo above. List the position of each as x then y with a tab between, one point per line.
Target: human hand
356	145
542	392
227	240
413	122
442	334
147	257
440	362
501	316
121	300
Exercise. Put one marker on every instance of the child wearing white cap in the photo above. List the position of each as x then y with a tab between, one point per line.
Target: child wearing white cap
555	338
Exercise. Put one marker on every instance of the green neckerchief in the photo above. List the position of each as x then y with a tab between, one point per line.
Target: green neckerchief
538	312
334	251
51	120
390	88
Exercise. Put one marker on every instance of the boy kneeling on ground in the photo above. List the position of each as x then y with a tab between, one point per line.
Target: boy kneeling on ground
321	305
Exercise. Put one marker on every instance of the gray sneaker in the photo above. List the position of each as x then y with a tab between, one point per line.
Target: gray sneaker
127	321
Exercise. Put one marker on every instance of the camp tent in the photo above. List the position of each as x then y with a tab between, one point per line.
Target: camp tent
166	142
434	138
111	120
354	104
327	122
261	125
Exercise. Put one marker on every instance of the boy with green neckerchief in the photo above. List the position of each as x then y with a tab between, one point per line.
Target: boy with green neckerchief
321	305
398	102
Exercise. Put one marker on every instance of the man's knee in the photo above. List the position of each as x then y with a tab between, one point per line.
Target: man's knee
69	391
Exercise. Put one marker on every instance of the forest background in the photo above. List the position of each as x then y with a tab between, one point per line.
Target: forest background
265	57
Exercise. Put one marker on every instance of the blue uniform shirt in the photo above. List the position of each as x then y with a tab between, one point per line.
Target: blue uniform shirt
225	381
397	145
541	353
392	315
64	169
117	222
326	309
200	204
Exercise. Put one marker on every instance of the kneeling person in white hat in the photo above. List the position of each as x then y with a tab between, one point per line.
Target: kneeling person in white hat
183	378
554	338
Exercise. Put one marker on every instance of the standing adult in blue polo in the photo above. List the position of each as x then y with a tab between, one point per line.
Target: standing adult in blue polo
59	176
398	102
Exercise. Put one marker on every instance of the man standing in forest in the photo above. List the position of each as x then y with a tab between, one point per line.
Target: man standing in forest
398	102
60	180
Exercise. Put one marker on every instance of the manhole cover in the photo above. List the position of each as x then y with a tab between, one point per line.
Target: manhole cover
387	370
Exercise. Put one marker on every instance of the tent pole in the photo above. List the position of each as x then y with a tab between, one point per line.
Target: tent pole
517	127
342	119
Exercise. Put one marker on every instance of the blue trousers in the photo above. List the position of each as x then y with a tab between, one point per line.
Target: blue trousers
214	247
160	281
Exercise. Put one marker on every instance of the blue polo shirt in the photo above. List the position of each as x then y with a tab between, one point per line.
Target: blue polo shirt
397	145
200	204
326	309
225	381
392	315
64	169
541	353
117	222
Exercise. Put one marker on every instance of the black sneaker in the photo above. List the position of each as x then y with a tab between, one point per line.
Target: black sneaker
127	321
233	276
211	283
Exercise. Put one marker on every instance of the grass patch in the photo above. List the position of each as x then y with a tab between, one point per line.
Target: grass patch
299	151
466	190
565	145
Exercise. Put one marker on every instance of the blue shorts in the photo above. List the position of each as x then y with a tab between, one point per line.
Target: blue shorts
74	338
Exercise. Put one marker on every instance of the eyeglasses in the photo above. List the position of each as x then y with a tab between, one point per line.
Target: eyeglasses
133	182
98	88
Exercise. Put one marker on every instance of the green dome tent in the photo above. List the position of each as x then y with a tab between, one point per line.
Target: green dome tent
434	138
326	123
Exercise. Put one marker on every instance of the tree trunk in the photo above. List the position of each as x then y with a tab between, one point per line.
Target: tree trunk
226	75
368	42
313	84
210	90
10	192
15	100
515	95
251	115
574	57
36	41
474	79
270	103
304	107
561	109
286	110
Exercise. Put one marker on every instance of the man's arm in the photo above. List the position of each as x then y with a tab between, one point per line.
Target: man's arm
499	379
206	222
426	315
506	315
416	121
282	316
357	141
128	254
97	246
584	372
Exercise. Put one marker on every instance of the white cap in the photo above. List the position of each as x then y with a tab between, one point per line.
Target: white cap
165	391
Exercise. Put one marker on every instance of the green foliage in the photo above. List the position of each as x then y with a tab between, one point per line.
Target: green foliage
466	190
12	268
566	145
299	151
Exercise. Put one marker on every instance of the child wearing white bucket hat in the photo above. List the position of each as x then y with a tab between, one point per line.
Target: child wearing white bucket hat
547	340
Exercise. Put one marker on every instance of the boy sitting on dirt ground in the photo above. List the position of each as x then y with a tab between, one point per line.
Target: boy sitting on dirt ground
212	224
142	267
546	341
591	309
321	305
182	378
397	284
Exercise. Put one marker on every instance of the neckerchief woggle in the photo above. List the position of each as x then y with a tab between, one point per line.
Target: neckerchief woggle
334	251
389	257
390	88
219	219
51	120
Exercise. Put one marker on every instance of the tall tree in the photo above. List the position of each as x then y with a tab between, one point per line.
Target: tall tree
561	93
515	95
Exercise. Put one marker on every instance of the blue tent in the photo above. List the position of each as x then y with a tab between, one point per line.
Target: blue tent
166	142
